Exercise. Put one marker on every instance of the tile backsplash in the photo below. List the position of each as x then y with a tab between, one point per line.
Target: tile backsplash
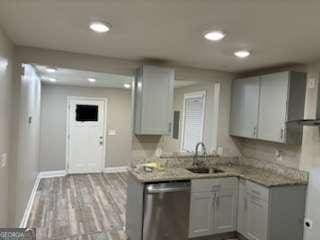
281	154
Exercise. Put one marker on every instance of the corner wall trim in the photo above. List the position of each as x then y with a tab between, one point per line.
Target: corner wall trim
50	174
26	214
115	169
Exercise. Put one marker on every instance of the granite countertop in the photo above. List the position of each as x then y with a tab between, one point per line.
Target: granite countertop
261	176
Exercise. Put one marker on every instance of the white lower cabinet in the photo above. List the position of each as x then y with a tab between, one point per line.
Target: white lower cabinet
213	207
223	205
253	211
270	213
201	214
242	208
257	219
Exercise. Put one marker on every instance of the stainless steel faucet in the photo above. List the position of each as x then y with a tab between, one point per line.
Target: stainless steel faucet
196	154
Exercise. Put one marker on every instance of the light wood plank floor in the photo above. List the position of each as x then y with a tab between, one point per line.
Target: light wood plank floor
80	207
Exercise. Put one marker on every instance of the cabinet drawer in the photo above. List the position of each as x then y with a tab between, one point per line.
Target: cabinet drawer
213	184
257	191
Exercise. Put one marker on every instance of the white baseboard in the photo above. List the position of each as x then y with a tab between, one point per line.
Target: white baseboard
47	174
27	211
50	174
115	169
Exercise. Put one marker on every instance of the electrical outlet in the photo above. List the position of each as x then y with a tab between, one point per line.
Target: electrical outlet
3	160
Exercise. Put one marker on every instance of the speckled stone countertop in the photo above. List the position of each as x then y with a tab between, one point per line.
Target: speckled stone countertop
258	175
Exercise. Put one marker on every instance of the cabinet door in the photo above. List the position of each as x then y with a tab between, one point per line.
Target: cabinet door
273	107
201	214
257	219
242	208
226	206
244	108
157	100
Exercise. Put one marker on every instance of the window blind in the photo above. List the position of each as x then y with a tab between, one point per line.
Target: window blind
193	122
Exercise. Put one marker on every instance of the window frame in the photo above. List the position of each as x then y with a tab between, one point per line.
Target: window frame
188	96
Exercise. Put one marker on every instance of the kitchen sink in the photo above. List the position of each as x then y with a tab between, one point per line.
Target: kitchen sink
204	170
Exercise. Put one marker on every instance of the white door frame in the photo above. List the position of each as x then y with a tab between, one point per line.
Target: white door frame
69	99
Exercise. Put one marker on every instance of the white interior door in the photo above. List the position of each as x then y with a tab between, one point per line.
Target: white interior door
86	135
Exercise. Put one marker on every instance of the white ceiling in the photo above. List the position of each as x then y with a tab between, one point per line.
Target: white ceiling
277	31
80	78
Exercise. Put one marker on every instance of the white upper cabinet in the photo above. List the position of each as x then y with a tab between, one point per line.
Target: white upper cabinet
273	106
263	105
245	104
153	100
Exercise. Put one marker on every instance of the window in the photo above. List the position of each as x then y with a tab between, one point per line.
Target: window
193	120
87	113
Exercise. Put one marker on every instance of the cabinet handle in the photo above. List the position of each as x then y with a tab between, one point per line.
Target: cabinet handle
255	131
214	200
169	127
282	134
218	202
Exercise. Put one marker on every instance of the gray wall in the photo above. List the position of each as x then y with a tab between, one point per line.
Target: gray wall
54	118
6	92
26	131
19	140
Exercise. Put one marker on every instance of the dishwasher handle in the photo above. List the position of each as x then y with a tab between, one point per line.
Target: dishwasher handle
168	187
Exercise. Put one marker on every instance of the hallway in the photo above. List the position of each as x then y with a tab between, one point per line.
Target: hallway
86	206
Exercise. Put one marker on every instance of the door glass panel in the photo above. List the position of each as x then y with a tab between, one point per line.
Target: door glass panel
86	113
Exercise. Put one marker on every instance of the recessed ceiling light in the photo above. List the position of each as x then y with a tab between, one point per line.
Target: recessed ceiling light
214	35
92	80
100	27
52	80
51	69
127	85
242	54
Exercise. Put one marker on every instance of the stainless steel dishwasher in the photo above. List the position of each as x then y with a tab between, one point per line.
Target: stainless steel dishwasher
166	211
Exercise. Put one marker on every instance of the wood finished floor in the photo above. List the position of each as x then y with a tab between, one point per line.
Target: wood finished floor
80	207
